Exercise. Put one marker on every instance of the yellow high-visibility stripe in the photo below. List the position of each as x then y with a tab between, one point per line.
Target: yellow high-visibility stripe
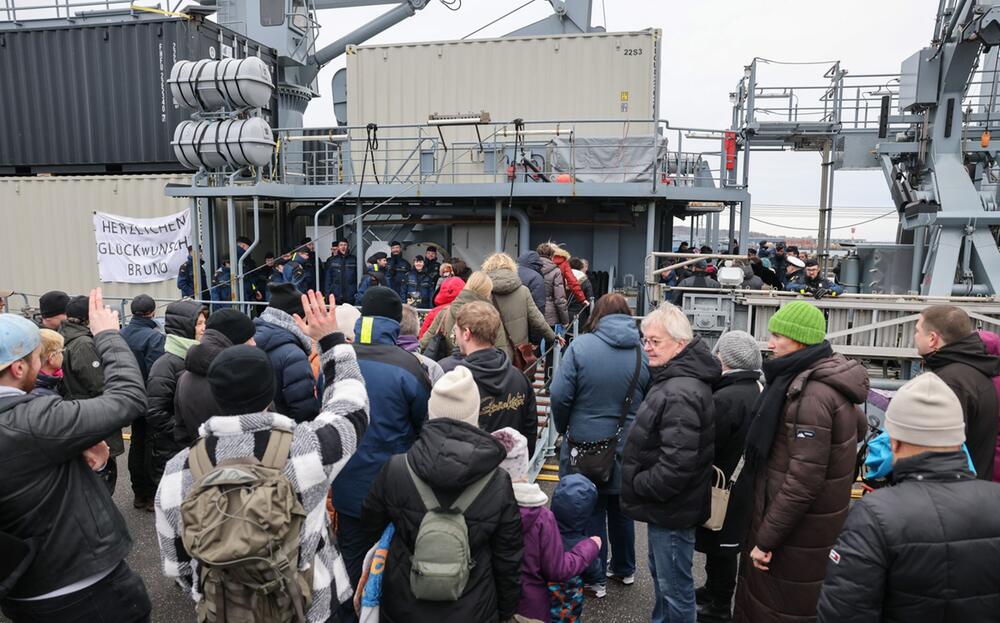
367	324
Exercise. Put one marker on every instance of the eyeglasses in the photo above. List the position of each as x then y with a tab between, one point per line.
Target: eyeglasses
651	343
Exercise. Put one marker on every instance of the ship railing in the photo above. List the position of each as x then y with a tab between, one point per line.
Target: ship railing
547	151
27	10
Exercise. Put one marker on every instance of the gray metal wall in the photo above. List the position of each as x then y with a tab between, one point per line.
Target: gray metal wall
48	233
95	99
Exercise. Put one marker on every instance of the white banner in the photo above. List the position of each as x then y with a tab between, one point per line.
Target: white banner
141	250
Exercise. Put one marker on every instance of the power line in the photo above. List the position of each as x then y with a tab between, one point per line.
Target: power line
498	19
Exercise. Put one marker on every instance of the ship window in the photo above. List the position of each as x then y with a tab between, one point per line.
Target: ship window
272	12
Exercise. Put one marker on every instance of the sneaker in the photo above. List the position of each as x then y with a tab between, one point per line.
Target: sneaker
627	580
599	591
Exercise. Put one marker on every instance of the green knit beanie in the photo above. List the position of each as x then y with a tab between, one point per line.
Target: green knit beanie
799	321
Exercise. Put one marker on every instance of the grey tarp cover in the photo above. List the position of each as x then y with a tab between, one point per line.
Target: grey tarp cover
609	160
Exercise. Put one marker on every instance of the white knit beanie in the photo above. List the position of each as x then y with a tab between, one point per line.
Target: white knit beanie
926	412
738	350
347	317
455	396
516	463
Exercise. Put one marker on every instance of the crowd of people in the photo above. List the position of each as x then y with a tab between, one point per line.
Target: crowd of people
769	266
332	462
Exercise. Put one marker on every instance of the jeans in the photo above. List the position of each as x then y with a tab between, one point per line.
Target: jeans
353	547
671	554
119	598
609	523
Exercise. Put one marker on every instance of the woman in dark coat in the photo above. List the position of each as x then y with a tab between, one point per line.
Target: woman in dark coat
734	396
800	456
587	396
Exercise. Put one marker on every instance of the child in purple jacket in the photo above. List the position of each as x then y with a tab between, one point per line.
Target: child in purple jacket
544	560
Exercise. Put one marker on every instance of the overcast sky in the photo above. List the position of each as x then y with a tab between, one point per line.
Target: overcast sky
705	47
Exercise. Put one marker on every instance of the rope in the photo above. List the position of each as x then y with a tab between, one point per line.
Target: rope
813	228
149	9
498	19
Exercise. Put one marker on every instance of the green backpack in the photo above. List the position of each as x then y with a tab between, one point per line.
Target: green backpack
242	521
442	558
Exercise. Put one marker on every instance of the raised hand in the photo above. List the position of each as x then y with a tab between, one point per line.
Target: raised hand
102	318
320	320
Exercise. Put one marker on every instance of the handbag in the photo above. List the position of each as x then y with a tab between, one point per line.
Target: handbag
437	347
721	489
524	353
596	459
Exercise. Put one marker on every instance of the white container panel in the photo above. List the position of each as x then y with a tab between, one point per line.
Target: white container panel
48	232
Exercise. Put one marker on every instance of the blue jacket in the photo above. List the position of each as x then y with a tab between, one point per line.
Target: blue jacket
374	277
529	270
298	273
398	390
573	503
589	388
222	287
146	341
397	268
419	287
185	279
339	276
297	393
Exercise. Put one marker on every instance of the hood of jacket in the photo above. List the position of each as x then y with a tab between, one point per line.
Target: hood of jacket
376	330
738	376
450	289
548	266
991	341
489	368
450	455
285	331
409	343
464	297
200	356
71	331
504	281
747	272
573	503
847	376
530	259
618	331
969	350
695	361
181	318
178	346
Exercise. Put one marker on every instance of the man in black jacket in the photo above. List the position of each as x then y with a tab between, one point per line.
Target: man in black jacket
667	464
733	400
49	494
506	397
926	549
451	454
944	337
145	340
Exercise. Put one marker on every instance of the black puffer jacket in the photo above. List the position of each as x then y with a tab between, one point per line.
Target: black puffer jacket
923	551
449	456
83	374
193	400
181	320
48	494
734	398
667	465
968	370
505	395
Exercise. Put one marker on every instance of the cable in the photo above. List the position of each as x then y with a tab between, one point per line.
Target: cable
774	62
452	5
814	229
518	138
498	19
604	12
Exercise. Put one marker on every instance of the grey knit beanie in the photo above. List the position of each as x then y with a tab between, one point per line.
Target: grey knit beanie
926	412
738	350
455	396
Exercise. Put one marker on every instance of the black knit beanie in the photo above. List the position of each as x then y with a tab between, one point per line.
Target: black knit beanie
285	297
382	301
242	380
232	323
53	303
78	308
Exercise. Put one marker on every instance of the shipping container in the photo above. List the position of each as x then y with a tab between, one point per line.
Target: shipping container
48	233
584	76
95	99
594	85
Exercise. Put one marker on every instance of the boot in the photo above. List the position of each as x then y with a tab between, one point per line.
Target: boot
713	612
702	596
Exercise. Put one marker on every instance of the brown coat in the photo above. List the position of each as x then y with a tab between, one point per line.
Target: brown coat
801	500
